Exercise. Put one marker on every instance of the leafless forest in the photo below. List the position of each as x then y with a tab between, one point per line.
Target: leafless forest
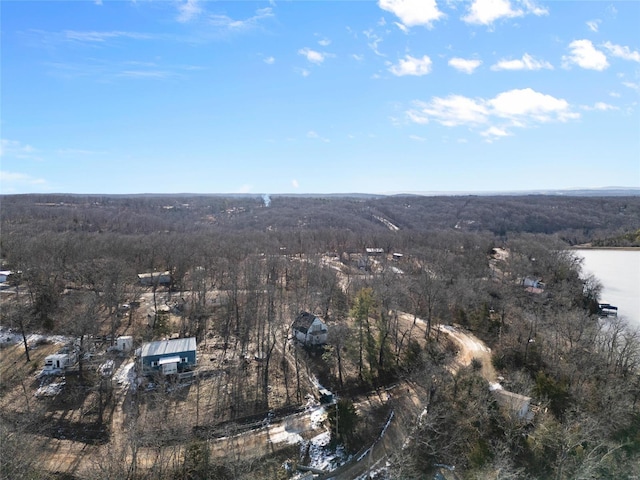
394	278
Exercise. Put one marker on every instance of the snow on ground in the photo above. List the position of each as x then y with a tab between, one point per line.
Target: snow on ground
50	390
126	376
283	434
321	455
318	416
10	337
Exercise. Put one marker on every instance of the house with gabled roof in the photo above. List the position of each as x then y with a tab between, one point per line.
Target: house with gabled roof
309	329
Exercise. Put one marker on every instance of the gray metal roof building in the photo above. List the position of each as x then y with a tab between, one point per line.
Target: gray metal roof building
168	347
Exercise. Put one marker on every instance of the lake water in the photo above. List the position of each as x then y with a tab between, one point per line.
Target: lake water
619	273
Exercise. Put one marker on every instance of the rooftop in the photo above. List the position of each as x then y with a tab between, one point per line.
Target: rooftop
168	347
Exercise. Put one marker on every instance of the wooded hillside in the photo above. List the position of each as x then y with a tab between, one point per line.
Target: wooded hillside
494	268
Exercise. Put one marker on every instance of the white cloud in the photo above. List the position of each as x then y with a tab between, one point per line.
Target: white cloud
495	132
79	151
188	10
527	62
312	55
246	188
451	111
303	71
417	138
411	66
464	65
16	149
527	103
101	37
413	13
373	41
228	23
514	108
585	55
632	85
325	42
146	74
11	181
416	117
623	52
357	57
594	25
485	12
601	106
270	60
294	183
313	134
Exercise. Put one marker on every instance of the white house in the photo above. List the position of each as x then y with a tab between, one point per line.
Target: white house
4	275
309	329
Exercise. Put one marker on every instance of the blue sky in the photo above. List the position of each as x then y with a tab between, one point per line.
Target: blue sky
318	96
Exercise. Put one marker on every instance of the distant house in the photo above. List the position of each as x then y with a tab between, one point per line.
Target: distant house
374	251
532	282
514	404
607	310
155	278
309	329
168	356
4	275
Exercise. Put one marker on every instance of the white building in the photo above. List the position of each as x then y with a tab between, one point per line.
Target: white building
309	329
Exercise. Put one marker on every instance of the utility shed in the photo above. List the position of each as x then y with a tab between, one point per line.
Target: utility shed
124	343
169	356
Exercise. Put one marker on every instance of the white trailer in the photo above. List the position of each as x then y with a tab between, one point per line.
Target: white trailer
59	361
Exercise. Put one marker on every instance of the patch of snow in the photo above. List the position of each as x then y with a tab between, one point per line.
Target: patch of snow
49	372
422	415
106	368
10	336
126	376
50	390
322	456
280	434
376	472
317	417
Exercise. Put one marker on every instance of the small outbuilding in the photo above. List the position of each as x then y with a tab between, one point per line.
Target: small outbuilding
168	356
309	329
124	343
